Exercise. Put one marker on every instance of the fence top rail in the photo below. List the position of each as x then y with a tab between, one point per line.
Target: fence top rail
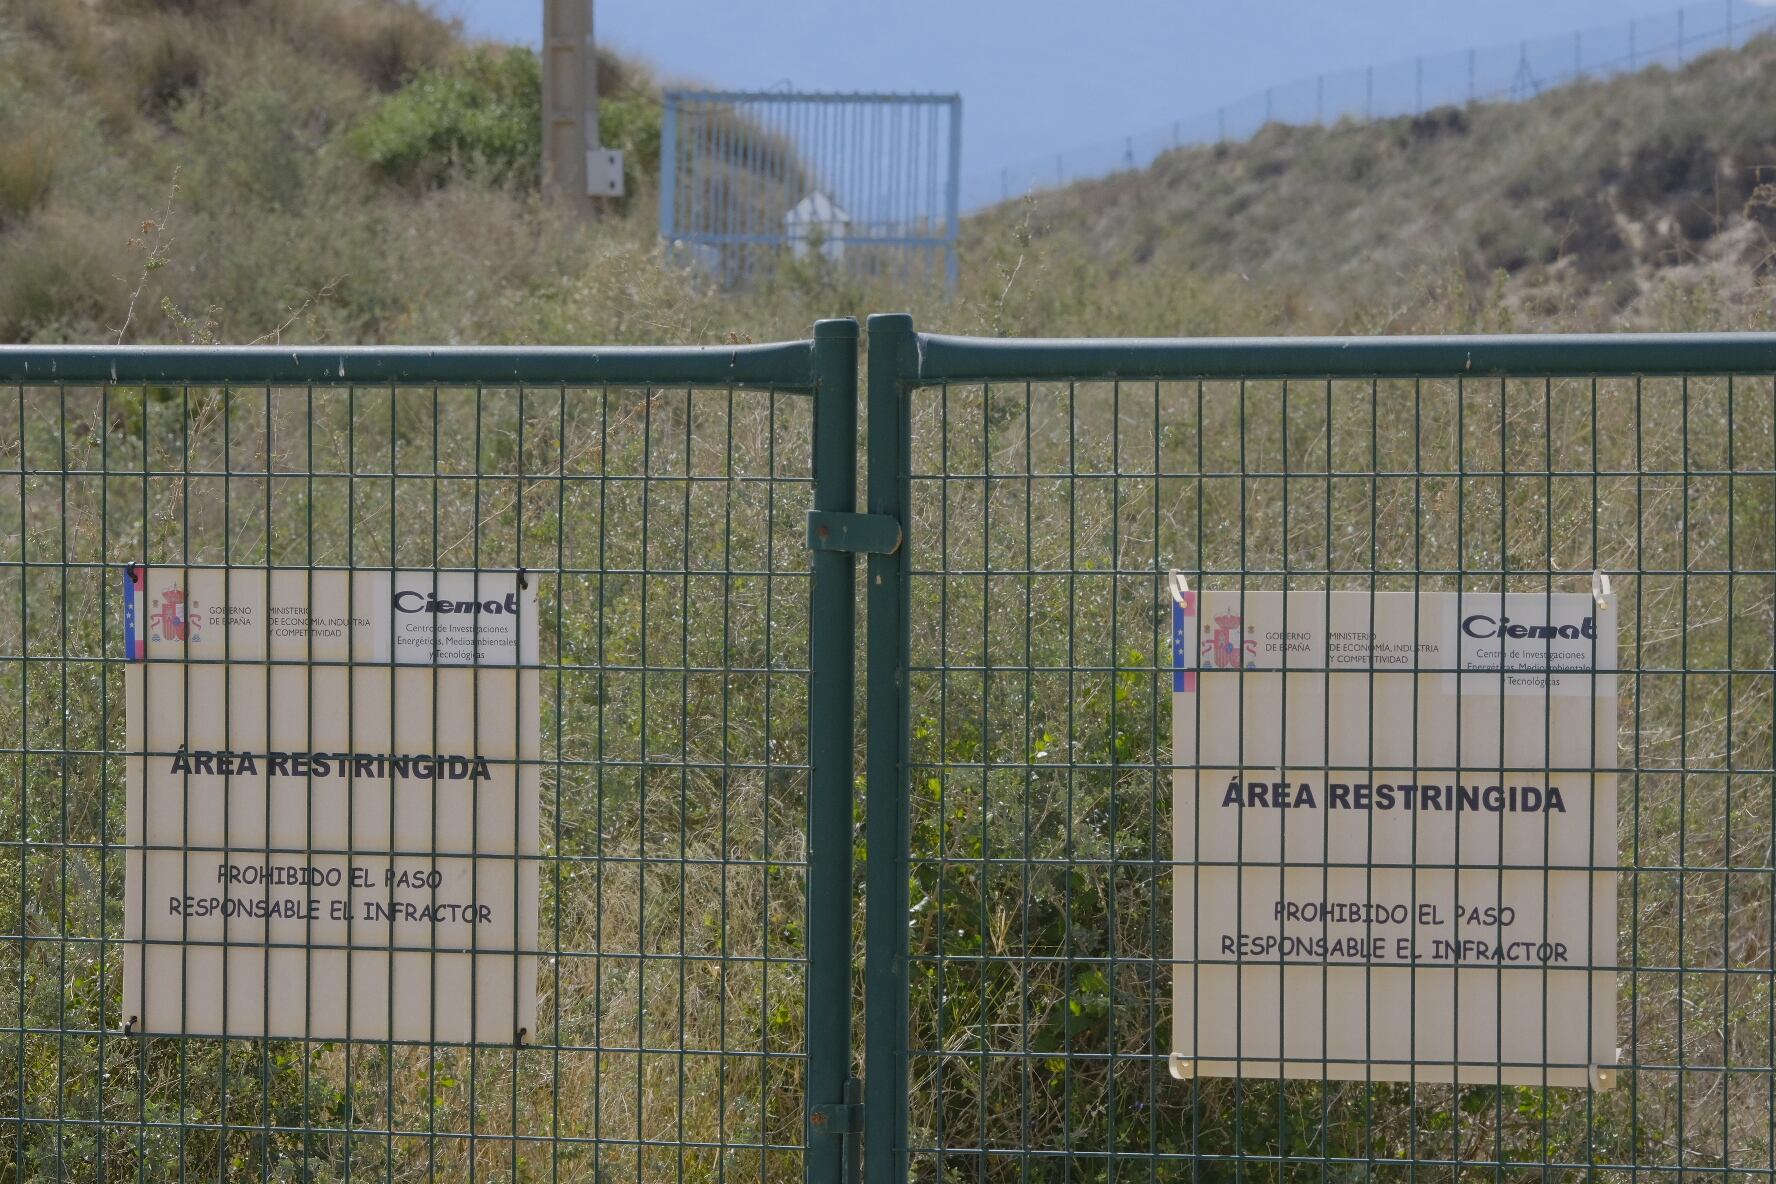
930	358
729	97
786	365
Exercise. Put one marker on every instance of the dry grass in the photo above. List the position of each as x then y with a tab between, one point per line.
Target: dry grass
665	896
27	165
669	894
1588	197
673	822
1046	991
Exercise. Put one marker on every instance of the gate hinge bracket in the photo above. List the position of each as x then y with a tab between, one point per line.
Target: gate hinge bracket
841	1118
868	534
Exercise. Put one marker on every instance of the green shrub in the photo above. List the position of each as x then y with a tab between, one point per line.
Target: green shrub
27	165
259	153
633	125
390	44
479	114
170	68
55	279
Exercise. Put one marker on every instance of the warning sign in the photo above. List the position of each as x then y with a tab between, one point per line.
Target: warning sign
1395	836
332	803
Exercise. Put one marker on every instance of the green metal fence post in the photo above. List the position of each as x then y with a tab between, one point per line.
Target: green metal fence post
831	782
893	363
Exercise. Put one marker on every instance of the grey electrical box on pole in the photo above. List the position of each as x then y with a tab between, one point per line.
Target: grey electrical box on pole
575	164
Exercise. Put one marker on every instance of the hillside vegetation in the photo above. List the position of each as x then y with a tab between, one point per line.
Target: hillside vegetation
1604	202
237	169
356	171
330	170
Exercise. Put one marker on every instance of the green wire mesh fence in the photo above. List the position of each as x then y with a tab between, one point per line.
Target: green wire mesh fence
652	502
1049	488
1040	514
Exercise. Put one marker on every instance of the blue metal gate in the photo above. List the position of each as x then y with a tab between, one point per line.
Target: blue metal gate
867	183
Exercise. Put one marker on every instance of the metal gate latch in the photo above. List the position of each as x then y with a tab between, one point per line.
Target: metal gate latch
839	1118
869	534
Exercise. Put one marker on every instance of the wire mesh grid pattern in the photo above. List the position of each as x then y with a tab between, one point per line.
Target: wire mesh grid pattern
697	908
863	183
1044	516
660	525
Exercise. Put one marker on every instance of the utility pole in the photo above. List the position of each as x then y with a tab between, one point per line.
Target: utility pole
575	165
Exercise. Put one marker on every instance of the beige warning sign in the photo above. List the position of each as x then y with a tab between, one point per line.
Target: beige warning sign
1395	836
332	803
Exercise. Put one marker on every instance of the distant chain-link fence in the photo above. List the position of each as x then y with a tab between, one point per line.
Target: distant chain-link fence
1506	73
858	184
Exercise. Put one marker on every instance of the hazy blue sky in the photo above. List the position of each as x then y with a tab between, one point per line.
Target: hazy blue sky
1041	75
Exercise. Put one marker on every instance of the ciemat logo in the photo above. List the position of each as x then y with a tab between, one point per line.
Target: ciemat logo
1484	627
420	602
1227	647
170	616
